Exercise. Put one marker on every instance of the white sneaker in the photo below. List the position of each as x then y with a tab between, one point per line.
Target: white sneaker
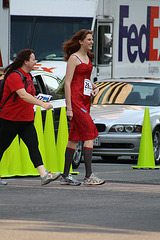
69	180
93	180
49	177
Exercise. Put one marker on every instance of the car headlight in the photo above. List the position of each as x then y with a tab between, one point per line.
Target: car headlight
126	128
119	128
129	128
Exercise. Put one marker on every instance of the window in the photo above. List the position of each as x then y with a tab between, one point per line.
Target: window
45	35
128	93
51	83
104	44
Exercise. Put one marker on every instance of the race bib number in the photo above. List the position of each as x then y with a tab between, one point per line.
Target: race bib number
87	87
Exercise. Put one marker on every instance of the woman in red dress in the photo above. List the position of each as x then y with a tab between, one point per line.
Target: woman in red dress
78	91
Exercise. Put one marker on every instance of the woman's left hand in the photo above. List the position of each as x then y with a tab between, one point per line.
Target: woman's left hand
95	91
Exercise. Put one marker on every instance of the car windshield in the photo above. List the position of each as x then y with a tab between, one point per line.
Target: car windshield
45	35
128	93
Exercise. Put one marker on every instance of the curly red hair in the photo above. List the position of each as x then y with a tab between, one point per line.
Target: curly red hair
73	44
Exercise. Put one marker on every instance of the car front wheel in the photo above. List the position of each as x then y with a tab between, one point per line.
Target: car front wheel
156	145
77	155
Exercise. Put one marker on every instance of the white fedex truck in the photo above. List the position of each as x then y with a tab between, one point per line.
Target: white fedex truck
126	34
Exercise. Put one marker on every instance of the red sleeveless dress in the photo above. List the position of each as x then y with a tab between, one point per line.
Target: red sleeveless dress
82	126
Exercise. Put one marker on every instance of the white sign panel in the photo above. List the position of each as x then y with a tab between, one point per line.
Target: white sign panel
137	45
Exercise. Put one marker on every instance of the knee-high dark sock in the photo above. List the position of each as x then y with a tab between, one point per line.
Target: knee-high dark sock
87	152
68	161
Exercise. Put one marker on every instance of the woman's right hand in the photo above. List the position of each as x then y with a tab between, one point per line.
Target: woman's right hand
69	114
47	105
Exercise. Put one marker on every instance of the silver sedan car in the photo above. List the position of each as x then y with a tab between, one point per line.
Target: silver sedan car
118	112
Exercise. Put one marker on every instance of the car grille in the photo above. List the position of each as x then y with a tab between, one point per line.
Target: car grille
116	145
100	127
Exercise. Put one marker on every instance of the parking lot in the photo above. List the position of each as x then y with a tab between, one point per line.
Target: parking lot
125	207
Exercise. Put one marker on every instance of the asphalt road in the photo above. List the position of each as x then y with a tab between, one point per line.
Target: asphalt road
127	206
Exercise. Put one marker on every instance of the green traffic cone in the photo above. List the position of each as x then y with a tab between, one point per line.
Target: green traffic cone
4	165
49	141
15	163
28	168
146	154
62	139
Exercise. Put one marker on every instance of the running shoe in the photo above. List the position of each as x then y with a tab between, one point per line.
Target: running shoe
69	180
93	180
49	177
2	182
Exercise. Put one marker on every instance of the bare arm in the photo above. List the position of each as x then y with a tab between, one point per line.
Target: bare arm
71	65
30	99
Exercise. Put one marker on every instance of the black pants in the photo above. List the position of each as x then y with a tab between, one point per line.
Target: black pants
26	131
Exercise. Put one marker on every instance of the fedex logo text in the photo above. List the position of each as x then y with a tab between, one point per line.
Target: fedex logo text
148	50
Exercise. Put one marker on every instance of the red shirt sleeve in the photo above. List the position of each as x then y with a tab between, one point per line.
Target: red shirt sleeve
14	82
